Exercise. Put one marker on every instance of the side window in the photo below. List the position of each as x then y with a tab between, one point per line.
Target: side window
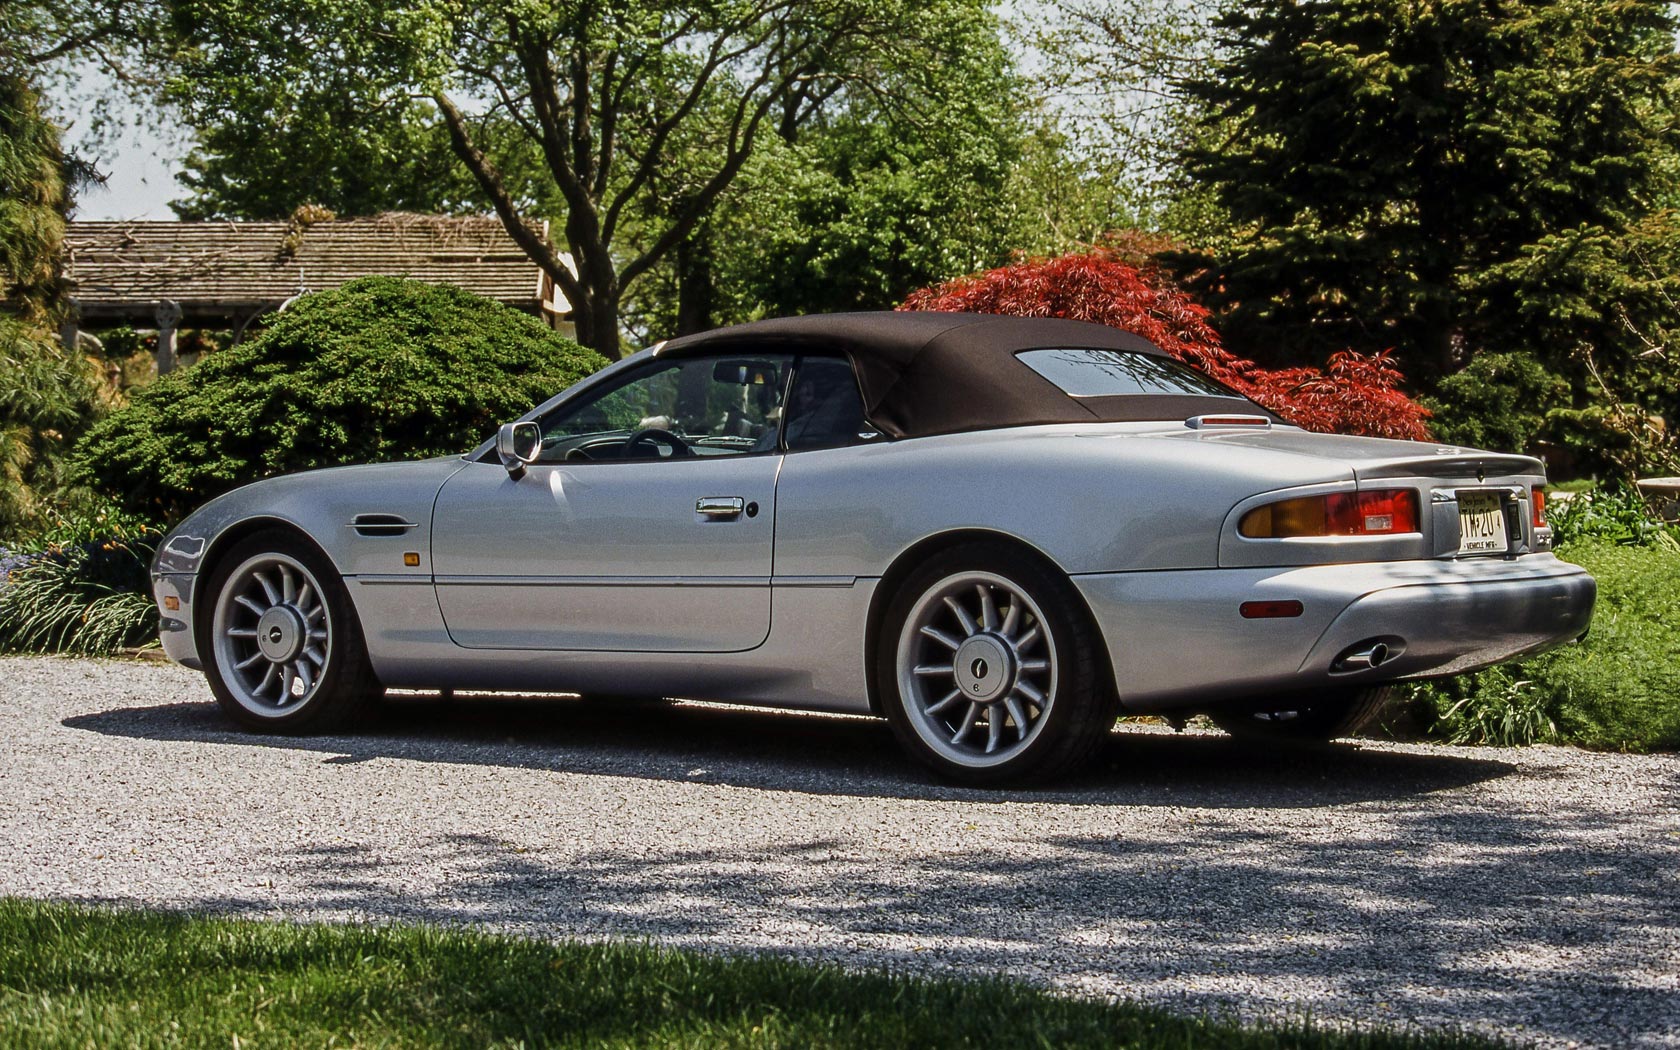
700	406
824	406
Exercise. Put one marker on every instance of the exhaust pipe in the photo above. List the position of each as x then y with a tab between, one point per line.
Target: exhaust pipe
1367	655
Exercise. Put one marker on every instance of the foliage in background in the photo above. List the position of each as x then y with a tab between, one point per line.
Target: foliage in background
938	169
625	123
315	148
875	195
47	397
1111	72
379	369
82	588
34	197
1352	394
76	976
1616	513
1615	690
1497	401
1446	179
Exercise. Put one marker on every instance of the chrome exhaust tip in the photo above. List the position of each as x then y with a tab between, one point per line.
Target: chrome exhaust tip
1367	655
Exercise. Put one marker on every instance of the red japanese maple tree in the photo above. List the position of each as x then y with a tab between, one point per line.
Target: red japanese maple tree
1352	394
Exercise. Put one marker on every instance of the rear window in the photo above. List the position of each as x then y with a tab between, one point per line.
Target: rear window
1108	373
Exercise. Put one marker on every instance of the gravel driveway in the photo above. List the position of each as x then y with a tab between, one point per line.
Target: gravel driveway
1532	893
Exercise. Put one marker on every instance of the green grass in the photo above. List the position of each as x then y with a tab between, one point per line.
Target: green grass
73	976
1619	690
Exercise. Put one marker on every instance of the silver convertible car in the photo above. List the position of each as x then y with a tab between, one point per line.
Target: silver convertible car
998	533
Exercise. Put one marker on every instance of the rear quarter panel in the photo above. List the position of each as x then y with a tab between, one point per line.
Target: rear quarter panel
1092	499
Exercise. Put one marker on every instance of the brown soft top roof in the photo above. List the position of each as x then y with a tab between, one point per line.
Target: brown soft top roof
927	372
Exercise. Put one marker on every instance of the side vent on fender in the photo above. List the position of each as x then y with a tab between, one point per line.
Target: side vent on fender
380	524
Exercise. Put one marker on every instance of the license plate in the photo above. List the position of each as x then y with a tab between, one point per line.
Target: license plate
1481	523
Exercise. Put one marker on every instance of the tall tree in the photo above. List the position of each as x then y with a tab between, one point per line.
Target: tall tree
46	393
34	197
1392	168
882	192
604	95
1112	70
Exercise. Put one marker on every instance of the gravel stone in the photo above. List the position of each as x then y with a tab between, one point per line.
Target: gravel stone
1530	893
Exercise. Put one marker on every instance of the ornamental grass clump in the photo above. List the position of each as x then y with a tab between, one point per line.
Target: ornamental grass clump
81	589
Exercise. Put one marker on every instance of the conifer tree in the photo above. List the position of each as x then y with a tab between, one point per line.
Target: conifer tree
1401	173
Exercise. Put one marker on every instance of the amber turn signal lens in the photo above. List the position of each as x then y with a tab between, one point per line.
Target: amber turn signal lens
411	559
171	603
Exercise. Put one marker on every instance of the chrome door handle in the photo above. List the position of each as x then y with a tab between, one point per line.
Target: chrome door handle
719	507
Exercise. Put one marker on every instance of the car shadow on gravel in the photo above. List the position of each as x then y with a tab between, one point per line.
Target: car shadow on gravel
822	754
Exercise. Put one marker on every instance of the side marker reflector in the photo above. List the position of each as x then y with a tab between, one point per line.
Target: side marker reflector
1270	610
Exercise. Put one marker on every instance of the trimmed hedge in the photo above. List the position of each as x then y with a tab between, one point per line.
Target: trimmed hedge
379	369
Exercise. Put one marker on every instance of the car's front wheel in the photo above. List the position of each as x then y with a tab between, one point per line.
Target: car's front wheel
285	650
1309	717
990	671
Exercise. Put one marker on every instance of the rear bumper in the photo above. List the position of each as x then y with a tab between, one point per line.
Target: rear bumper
1178	641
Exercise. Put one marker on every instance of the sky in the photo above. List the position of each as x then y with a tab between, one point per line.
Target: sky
140	183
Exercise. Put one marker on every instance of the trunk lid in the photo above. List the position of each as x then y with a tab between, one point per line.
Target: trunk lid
1377	458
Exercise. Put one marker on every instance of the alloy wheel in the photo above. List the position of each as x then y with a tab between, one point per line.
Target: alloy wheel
977	668
272	634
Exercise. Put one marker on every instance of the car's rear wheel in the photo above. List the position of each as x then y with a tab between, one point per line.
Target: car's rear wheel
1308	717
990	670
285	650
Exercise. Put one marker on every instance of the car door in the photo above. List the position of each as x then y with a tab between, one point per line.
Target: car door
646	525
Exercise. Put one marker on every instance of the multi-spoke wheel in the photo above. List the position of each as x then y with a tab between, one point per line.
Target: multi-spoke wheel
990	670
284	648
1309	717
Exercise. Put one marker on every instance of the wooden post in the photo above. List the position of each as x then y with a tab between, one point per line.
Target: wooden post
168	316
72	326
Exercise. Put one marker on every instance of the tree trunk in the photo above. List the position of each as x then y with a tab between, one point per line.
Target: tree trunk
595	316
694	283
597	324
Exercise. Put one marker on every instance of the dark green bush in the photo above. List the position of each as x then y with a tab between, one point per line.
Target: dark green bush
1497	401
379	369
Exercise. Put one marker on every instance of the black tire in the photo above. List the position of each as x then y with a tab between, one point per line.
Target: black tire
1078	703
327	684
1309	717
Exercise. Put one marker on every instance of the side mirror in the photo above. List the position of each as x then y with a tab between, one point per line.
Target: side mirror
517	444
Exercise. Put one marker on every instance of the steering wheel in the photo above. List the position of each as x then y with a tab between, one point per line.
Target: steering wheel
677	445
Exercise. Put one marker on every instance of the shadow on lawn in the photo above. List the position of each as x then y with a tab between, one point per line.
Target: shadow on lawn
822	754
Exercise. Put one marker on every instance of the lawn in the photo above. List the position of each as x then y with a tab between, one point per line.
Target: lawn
75	976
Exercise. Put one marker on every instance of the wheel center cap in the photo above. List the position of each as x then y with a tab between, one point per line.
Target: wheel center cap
985	669
280	634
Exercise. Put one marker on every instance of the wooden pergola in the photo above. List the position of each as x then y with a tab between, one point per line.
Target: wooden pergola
173	275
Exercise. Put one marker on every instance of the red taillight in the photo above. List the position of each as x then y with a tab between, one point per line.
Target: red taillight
1384	512
1373	513
1537	500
